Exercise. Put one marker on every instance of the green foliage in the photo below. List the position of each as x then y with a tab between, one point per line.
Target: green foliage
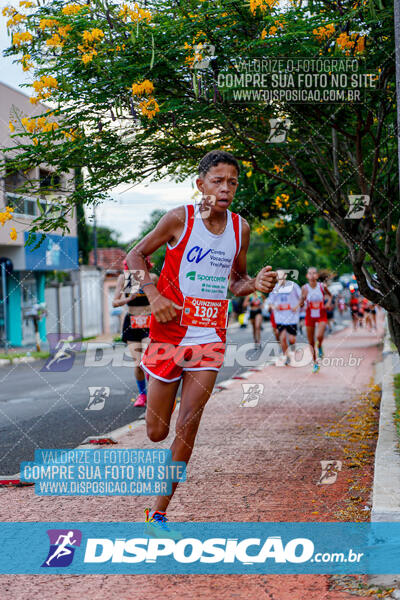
157	258
106	237
332	150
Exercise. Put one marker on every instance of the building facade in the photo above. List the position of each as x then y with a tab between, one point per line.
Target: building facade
33	270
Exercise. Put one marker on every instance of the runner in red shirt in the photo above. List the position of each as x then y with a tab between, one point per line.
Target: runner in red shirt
312	295
206	251
354	309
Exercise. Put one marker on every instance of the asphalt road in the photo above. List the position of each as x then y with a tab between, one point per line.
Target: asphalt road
48	409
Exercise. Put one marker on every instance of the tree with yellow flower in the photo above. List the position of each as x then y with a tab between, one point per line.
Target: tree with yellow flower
133	100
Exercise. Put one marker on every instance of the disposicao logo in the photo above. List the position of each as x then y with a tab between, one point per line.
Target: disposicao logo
190	550
62	547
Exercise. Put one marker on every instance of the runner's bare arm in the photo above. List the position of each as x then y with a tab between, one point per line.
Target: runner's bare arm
330	297
246	302
119	299
303	296
241	284
168	229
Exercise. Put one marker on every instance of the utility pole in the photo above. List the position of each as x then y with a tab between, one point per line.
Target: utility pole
95	236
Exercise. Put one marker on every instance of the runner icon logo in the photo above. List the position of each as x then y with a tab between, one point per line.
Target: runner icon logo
203	54
330	469
62	547
251	394
97	397
62	352
357	206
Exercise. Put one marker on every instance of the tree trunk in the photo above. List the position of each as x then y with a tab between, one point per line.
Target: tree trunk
394	330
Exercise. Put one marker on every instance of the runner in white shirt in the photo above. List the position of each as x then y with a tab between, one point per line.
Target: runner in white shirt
284	299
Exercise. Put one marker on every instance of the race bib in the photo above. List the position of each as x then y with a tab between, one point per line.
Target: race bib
140	321
284	307
204	312
315	309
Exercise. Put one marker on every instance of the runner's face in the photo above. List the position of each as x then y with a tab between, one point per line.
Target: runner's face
220	181
312	275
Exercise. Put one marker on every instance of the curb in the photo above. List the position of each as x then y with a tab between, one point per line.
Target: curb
386	485
386	497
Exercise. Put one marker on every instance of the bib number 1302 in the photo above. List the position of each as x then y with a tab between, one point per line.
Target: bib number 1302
211	312
205	312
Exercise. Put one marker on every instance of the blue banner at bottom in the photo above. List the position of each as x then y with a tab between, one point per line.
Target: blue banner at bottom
203	548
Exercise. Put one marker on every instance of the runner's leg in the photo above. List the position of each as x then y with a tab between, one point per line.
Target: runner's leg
257	325
283	341
160	402
321	326
136	350
197	387
253	324
311	340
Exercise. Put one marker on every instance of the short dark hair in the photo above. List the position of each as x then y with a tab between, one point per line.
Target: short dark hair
214	158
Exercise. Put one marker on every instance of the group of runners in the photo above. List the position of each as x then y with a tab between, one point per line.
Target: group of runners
184	312
363	312
288	303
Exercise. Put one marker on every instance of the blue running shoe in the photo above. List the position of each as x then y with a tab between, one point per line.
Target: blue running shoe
320	352
315	368
157	526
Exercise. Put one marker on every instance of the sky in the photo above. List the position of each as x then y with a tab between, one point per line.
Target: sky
132	206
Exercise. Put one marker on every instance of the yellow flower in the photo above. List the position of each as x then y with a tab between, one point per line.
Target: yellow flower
87	58
6	215
136	14
20	37
262	5
146	87
11	126
13	234
35	141
72	9
94	35
55	40
273	30
360	45
17	18
48	23
63	31
26	4
149	107
70	135
263	34
249	173
394	227
33	100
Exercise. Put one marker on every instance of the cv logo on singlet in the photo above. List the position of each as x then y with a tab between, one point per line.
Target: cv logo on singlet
197	254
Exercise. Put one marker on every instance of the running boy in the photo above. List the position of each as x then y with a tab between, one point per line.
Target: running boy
205	251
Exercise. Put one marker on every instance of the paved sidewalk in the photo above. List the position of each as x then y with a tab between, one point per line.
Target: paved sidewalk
249	464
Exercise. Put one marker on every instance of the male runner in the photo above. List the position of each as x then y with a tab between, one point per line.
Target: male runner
135	328
187	334
284	299
313	294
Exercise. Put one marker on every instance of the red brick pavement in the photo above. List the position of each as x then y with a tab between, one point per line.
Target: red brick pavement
249	464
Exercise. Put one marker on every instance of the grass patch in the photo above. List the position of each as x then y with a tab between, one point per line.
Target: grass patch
35	354
397	401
